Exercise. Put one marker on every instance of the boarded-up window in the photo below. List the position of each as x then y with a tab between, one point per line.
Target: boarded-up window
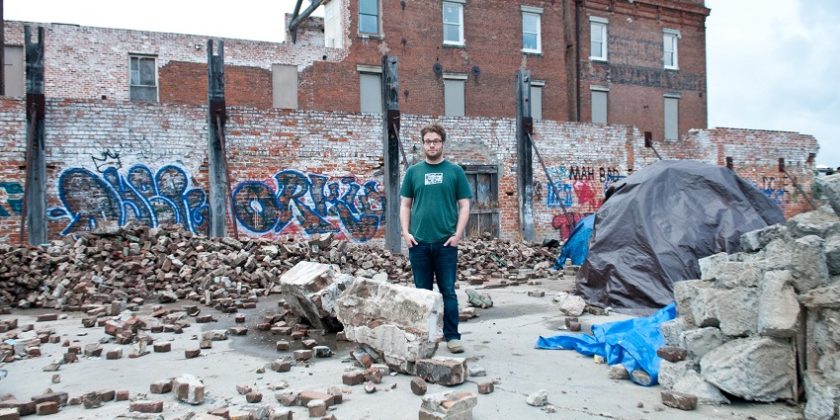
333	31
284	84
599	106
453	91
672	122
370	93
536	102
143	79
484	206
14	71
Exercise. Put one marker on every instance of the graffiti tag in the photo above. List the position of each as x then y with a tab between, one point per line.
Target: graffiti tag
11	193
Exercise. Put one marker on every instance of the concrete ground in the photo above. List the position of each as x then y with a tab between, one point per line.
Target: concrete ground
501	340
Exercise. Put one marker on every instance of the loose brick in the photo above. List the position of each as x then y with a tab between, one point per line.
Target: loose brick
59	398
317	408
122	395
306	396
243	389
486	387
146	406
92	400
309	343
161	387
114	354
302	355
162	347
192	353
47	317
24	408
281	365
418	386
238	331
322	351
679	400
442	370
240	318
253	397
46	408
9	413
672	354
107	394
282	345
354	377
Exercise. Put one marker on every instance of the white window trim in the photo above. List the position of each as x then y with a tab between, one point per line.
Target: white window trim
674	36
157	71
538	83
672	95
378	21
455	76
460	3
539	29
364	68
599	88
531	9
604	32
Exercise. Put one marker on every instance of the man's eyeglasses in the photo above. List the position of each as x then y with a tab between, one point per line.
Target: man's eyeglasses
432	142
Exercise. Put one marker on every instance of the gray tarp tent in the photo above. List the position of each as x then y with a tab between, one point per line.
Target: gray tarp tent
656	226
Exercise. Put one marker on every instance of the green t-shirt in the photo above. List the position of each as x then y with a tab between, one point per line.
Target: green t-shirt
435	190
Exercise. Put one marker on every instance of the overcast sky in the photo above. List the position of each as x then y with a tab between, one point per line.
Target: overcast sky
772	64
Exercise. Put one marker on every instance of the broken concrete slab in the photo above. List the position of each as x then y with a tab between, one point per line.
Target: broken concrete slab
671	373
754	368
672	331
778	307
822	222
304	287
700	341
403	324
730	274
692	383
823	398
734	311
804	258
830	185
758	239
685	292
571	305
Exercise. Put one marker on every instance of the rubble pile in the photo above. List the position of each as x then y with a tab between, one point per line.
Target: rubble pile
170	263
759	316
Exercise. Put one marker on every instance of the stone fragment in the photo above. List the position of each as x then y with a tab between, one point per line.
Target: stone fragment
694	384
702	340
538	399
281	365
758	239
401	323
536	293
571	305
282	345
442	370
478	299
192	353
287	398
145	406
418	386
832	254
322	351
679	400
307	285
92	400
778	307
756	368
823	398
618	372
822	222
253	397
114	354
162	347
731	274
189	389
302	355
215	335
672	331
306	396
205	344
804	258
670	373
685	292
830	185
161	387
370	387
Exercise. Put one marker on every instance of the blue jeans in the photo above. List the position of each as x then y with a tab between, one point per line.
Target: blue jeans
435	261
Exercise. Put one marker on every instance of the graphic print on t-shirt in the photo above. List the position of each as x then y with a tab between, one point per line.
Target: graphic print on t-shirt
434	178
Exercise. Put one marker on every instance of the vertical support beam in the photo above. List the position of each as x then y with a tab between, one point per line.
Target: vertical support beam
3	52
35	199
524	161
216	119
391	151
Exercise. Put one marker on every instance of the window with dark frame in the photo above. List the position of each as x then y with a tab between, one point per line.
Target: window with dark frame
143	79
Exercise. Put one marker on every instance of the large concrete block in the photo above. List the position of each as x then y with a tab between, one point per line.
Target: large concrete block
823	398
732	274
831	186
754	368
700	341
685	292
694	384
671	373
402	323
734	311
778	307
832	254
672	331
804	258
821	222
306	286
758	239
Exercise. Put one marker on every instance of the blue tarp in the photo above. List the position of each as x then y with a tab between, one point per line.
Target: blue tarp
632	342
577	246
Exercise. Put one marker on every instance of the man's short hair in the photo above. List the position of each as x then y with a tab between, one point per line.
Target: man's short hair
433	128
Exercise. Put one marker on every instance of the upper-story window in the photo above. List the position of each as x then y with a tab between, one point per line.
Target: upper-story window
670	40
453	22
531	38
598	38
333	32
369	16
142	84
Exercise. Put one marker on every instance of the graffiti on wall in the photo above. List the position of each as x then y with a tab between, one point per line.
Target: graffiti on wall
773	188
11	199
579	190
314	203
90	199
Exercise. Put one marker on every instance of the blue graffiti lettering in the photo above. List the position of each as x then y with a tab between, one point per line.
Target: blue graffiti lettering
15	204
313	202
89	200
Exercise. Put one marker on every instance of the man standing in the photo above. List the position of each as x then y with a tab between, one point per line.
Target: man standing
434	209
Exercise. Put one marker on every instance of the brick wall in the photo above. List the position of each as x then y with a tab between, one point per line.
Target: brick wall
308	172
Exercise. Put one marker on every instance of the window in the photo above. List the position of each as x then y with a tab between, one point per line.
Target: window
333	34
536	99
453	94
14	74
670	39
284	84
368	16
453	23
370	89
143	79
672	114
598	38
599	104
531	41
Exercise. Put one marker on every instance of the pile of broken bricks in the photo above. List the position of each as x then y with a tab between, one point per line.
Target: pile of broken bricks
137	263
